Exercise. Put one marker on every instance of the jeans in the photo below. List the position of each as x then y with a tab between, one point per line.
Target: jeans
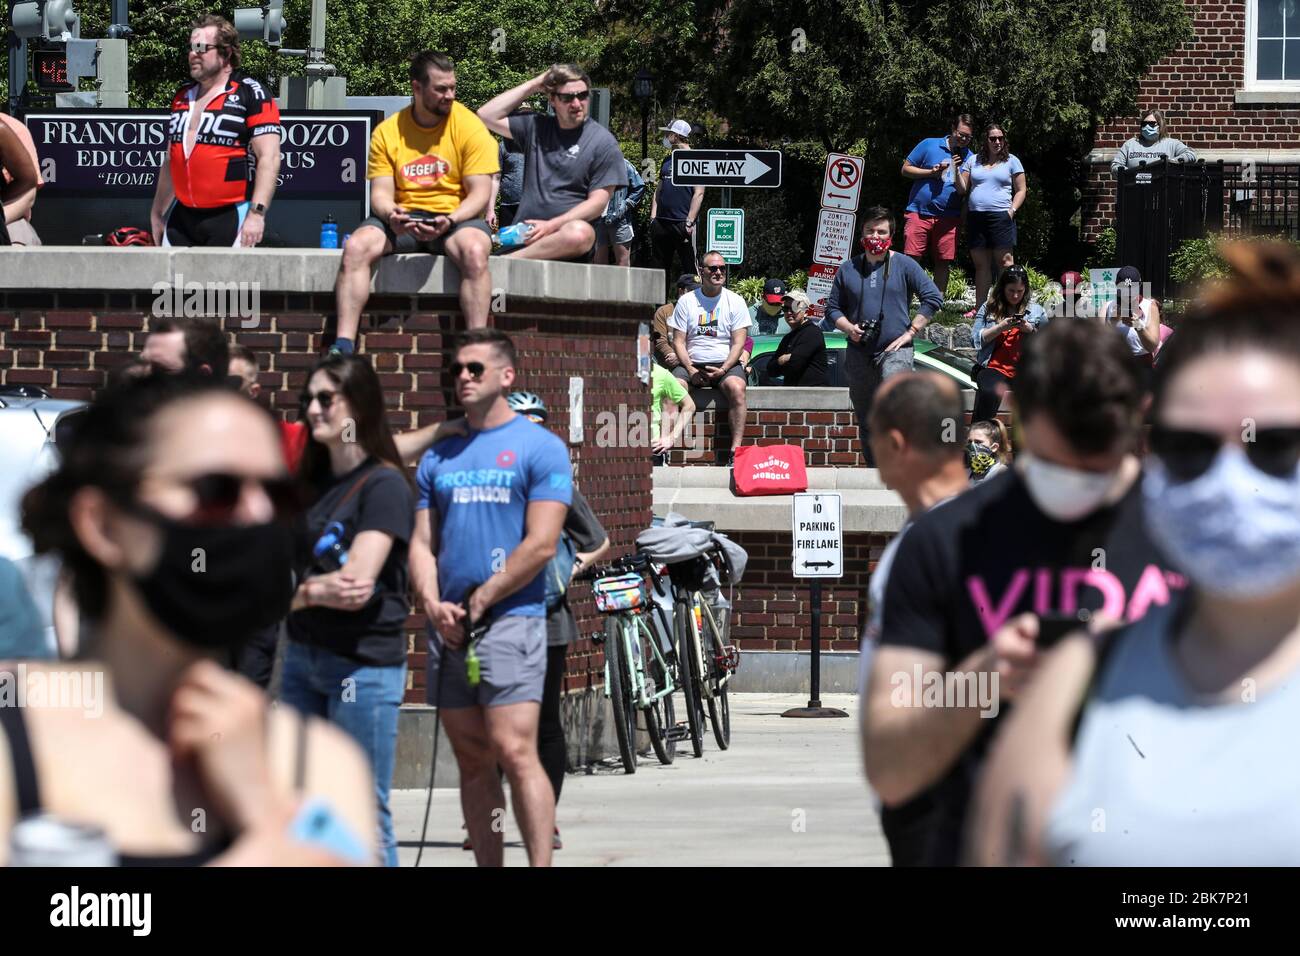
864	374
362	701
988	399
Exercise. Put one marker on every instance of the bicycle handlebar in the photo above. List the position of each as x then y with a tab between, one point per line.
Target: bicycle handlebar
637	561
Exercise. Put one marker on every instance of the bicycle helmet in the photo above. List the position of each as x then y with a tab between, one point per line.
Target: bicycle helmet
128	236
526	403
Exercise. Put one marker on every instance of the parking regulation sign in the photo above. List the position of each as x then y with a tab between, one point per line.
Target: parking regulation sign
834	237
843	182
820	279
818	535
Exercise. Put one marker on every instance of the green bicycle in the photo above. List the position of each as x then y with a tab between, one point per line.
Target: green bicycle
637	674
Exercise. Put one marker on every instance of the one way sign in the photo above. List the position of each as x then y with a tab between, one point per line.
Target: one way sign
818	536
755	168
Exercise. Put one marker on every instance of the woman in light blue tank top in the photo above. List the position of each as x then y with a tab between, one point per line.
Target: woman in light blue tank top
1172	740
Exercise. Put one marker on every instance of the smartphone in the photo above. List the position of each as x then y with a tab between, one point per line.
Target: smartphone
421	215
1053	627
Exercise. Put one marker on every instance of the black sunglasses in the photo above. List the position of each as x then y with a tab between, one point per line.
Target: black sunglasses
715	268
324	396
475	369
1188	454
580	96
217	497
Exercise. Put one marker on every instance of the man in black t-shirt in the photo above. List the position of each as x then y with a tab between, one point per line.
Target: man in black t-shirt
1062	532
675	210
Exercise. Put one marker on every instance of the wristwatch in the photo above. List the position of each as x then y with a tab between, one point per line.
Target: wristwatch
259	208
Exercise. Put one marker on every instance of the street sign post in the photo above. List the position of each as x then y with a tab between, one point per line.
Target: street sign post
834	237
752	168
817	532
727	234
843	182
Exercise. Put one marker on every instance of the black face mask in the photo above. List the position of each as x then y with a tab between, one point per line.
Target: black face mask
214	587
979	459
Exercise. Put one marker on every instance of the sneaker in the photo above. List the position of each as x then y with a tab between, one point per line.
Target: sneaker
556	842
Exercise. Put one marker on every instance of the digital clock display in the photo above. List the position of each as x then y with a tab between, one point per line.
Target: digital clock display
51	69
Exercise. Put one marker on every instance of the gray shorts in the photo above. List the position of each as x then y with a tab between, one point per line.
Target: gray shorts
512	666
407	243
607	234
737	370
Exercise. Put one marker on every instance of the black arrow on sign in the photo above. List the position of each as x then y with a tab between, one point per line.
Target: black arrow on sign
819	564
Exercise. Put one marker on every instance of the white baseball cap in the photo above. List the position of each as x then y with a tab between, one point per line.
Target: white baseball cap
678	126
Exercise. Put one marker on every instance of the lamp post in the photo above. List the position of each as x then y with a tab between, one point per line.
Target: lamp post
643	90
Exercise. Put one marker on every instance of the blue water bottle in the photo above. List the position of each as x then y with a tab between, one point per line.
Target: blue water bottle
329	233
514	236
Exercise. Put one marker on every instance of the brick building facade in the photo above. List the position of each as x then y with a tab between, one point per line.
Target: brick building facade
1219	94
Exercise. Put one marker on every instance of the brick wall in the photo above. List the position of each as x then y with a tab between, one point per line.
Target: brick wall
1195	87
69	342
772	610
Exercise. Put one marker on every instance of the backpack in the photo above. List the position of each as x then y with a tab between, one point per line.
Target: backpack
558	571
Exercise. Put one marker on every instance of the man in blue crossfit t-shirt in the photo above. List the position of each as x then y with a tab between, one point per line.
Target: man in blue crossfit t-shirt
491	507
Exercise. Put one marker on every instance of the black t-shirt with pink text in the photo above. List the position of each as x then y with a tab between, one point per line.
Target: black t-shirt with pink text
971	564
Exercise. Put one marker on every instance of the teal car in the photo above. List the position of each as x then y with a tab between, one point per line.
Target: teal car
931	357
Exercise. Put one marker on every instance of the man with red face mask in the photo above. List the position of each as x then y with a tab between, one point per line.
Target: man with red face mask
870	302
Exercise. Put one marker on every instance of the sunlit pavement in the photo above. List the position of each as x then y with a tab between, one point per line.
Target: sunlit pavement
788	792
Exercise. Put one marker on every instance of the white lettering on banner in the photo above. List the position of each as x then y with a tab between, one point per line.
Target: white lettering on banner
66	133
120	157
315	134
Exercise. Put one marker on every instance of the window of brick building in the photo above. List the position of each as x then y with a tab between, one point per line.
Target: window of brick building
1273	44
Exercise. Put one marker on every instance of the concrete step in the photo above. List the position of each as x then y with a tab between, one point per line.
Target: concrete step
703	493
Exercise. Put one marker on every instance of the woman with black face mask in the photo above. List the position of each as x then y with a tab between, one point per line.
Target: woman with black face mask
170	511
1169	741
346	658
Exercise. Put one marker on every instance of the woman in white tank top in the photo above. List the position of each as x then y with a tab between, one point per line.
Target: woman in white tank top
1137	317
1171	741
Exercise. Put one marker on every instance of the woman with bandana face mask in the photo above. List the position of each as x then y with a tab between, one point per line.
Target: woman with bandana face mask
1151	145
171	511
1180	725
988	449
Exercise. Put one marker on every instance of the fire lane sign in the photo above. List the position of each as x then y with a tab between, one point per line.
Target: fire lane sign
818	535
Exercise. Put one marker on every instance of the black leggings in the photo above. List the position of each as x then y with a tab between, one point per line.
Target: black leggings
987	398
550	730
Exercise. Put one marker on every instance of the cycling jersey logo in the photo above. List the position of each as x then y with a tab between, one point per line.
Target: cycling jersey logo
426	171
506	459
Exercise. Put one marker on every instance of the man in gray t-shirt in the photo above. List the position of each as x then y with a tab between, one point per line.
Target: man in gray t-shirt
572	164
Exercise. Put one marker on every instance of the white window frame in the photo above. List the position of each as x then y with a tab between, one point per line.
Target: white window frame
1252	40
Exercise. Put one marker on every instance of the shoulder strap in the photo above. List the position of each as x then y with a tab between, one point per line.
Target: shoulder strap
356	487
20	756
300	755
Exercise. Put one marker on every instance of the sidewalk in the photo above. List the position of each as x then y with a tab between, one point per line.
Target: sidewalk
789	792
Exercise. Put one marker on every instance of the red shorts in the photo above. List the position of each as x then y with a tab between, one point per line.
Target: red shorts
935	234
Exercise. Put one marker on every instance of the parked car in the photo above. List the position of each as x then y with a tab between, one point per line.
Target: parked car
31	424
929	356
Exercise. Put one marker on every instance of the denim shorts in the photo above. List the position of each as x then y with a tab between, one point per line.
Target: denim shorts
512	666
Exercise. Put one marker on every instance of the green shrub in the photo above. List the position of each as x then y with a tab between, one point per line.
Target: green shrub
1104	251
797	279
1198	260
748	289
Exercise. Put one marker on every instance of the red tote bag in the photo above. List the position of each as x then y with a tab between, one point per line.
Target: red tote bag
769	470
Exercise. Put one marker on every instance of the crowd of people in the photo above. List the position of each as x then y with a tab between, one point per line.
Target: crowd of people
1105	592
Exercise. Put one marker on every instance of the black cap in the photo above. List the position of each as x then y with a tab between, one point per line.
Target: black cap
1128	274
688	282
774	291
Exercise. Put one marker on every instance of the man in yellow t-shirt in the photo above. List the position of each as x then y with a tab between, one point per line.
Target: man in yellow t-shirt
431	169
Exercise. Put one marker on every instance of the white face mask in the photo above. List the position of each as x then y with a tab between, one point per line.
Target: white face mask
668	143
1065	494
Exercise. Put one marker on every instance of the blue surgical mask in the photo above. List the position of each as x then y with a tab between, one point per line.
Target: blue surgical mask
1233	531
1150	131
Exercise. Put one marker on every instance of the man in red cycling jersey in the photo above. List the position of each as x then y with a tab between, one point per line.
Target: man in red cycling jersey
202	198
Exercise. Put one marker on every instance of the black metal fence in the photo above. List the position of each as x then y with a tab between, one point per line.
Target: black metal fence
1159	206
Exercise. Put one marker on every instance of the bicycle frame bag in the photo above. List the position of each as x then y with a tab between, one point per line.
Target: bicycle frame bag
623	592
769	470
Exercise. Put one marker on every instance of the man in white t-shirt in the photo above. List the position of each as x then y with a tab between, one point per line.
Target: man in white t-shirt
709	327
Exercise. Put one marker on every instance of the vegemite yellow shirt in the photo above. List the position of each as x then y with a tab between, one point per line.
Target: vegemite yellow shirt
429	164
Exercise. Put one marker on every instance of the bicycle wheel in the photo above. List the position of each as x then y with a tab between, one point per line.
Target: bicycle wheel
688	678
659	714
719	707
620	697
